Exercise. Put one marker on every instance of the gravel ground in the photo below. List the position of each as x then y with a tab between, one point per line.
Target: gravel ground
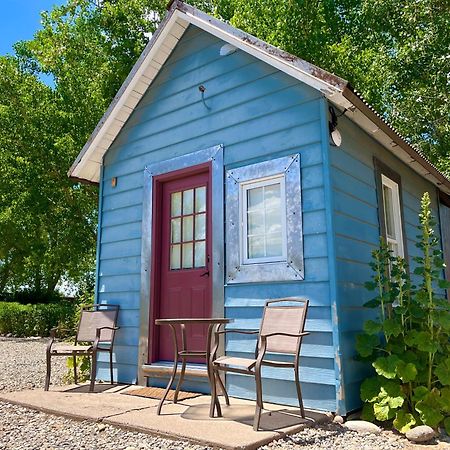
24	429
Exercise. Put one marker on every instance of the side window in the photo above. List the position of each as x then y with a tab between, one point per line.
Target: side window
263	220
389	193
264	239
392	216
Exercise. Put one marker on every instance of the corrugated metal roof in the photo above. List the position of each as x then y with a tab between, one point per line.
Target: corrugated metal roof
180	15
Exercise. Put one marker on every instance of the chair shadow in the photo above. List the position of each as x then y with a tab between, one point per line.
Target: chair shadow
98	388
270	420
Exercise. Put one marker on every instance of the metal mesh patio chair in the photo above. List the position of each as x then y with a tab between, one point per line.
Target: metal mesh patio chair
281	332
96	332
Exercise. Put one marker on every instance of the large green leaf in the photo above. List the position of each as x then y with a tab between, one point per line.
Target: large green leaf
442	371
383	412
365	344
370	389
403	421
406	371
392	327
419	393
372	327
444	400
386	366
447	425
429	414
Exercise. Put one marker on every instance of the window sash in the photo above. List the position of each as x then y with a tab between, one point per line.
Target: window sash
244	235
392	215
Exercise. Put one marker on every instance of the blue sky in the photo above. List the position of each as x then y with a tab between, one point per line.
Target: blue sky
19	20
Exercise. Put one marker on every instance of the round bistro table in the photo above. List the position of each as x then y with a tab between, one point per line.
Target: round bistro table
184	353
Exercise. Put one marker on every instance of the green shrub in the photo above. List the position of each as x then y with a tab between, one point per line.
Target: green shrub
31	297
35	320
408	345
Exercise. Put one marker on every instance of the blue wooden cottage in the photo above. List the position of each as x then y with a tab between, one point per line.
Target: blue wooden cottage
231	172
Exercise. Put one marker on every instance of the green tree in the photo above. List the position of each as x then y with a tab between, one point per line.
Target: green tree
48	222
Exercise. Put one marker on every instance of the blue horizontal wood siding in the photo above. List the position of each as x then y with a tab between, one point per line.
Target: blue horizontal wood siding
356	234
257	113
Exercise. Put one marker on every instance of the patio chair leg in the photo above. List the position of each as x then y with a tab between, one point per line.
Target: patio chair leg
93	371
299	391
49	369
75	376
215	404
259	402
180	380
111	366
223	389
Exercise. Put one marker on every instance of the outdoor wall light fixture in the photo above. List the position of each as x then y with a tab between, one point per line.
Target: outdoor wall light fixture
202	90
335	135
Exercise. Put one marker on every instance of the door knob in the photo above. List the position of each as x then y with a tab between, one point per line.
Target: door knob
206	274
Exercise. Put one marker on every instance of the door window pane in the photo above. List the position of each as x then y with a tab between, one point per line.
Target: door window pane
188	228
200	254
175	233
188	201
175	204
187	255
175	256
200	199
256	247
200	226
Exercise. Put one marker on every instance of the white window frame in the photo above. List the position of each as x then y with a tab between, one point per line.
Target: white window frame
396	214
243	201
240	270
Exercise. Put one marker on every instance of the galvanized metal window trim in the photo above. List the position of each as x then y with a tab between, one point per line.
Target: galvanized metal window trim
395	211
243	210
292	268
215	156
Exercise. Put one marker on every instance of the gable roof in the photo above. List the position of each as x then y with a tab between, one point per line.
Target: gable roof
180	15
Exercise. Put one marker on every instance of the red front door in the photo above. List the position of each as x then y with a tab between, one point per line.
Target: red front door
184	258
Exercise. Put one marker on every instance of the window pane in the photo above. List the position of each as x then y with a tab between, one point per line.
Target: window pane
389	212
256	247
188	201
255	222
175	202
200	199
274	245
175	256
272	195
200	226
188	228
200	254
187	255
255	199
175	230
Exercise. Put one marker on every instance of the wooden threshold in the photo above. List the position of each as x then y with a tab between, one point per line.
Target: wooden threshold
164	369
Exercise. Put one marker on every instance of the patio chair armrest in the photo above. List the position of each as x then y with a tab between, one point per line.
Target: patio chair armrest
100	329
237	331
265	336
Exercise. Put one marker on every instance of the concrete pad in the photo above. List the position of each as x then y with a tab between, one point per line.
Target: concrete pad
188	420
74	402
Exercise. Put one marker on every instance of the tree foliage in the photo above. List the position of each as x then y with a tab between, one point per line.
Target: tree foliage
395	53
48	222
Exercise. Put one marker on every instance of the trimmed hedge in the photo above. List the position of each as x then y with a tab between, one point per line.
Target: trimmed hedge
30	297
35	320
